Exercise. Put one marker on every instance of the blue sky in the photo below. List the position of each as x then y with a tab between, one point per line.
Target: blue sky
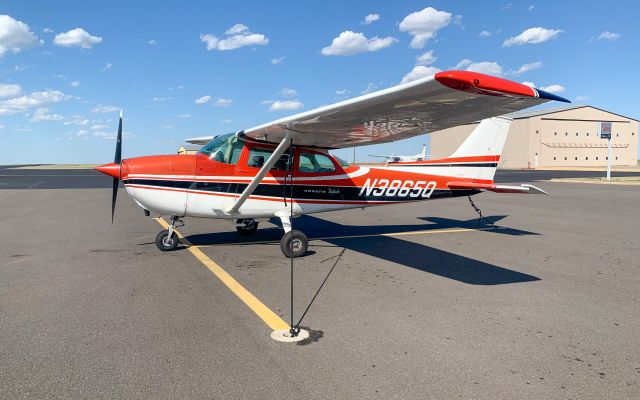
187	69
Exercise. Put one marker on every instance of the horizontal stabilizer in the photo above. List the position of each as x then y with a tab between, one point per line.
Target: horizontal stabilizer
522	189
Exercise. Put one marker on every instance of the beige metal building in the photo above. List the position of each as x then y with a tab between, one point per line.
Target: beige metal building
555	137
187	149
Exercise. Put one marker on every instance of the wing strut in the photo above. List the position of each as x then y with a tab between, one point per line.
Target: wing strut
275	156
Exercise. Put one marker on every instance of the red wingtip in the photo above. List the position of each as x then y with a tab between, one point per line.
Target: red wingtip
111	169
475	82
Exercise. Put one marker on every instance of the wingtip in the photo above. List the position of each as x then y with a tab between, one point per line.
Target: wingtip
550	96
121	113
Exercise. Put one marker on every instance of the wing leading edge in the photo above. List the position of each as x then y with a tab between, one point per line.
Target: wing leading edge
441	101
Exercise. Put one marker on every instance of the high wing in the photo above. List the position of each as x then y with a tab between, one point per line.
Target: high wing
446	99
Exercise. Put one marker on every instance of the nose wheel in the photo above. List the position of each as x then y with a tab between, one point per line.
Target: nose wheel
167	240
294	244
246	226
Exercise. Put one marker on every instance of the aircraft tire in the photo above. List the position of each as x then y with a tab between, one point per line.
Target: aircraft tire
164	243
250	229
300	244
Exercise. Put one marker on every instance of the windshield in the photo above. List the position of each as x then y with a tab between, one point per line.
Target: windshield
224	148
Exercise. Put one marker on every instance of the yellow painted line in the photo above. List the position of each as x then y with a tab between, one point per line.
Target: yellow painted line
269	317
391	234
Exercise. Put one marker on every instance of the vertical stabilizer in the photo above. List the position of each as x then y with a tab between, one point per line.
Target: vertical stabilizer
486	140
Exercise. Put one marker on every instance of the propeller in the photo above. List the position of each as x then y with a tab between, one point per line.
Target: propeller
117	160
114	169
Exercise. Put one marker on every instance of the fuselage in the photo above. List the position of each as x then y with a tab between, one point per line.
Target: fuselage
209	182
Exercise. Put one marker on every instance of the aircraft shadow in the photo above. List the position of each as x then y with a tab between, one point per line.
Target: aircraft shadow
393	249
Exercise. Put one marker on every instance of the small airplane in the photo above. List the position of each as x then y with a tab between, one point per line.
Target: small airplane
395	159
283	168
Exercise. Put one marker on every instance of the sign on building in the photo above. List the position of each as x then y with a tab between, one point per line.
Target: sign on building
605	130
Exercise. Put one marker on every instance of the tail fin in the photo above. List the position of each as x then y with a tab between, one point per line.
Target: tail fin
485	145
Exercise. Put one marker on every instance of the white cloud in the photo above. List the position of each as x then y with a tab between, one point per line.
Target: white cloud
606	35
532	36
370	88
581	98
75	84
370	19
77	120
419	71
221	102
226	121
531	7
15	35
507	6
530	84
484	34
104	109
235	37
31	101
184	116
349	42
2	126
47	30
527	67
107	67
42	114
286	92
423	25
426	58
341	92
161	99
76	37
484	67
202	99
96	127
281	105
237	29
10	90
279	60
553	88
152	42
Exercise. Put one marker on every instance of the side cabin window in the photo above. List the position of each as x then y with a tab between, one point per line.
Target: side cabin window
258	156
224	149
312	162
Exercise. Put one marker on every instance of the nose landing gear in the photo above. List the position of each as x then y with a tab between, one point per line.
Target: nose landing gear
246	226
167	240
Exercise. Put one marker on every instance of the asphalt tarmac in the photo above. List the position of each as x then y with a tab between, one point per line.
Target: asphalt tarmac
424	303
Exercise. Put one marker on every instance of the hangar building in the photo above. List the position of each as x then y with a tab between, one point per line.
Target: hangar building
555	137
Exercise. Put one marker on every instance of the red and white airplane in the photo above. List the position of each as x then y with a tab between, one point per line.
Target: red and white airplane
283	168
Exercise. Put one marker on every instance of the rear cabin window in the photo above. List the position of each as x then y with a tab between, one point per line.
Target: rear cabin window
258	157
311	162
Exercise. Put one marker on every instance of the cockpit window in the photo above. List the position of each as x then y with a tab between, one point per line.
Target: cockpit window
225	149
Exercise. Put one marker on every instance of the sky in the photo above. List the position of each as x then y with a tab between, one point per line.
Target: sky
187	69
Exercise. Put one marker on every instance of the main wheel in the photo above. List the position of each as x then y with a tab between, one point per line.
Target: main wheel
166	243
249	228
294	244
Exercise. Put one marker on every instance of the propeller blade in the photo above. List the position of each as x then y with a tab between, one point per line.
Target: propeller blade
117	160
118	156
114	196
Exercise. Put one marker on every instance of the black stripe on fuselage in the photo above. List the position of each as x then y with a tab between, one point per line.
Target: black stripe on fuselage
301	192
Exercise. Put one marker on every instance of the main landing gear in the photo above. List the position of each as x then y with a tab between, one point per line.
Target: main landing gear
167	240
294	243
246	226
